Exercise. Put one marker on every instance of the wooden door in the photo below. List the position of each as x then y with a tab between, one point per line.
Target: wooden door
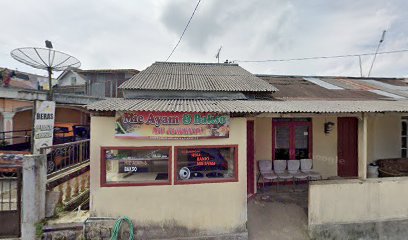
250	158
347	147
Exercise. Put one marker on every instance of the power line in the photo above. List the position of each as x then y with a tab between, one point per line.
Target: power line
321	57
188	23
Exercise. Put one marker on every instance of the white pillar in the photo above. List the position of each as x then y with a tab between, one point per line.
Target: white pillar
363	147
33	193
8	125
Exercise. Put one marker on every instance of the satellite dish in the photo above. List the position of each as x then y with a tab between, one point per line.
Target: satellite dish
46	59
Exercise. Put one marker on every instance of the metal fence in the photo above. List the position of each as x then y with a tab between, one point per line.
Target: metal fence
15	140
66	155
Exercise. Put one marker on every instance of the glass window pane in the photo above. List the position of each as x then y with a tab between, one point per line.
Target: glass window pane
205	163
404	153
137	165
292	119
282	137
282	142
302	142
281	119
404	142
403	128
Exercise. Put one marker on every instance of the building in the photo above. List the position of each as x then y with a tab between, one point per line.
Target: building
16	104
179	153
24	80
97	83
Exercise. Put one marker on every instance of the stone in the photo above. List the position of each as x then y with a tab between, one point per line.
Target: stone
51	201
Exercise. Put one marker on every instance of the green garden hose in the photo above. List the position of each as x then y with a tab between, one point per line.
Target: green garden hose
116	228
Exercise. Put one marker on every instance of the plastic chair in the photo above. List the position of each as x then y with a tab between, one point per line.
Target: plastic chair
306	167
293	169
266	172
279	166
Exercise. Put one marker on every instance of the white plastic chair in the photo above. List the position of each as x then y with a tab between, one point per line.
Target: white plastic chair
293	169
306	167
266	172
279	166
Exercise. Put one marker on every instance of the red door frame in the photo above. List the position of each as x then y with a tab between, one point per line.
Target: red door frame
347	147
292	144
250	157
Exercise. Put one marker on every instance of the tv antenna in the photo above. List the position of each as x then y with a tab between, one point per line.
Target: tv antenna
376	51
217	56
47	59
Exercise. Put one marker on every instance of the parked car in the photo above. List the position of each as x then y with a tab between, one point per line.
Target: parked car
61	157
70	132
81	132
65	156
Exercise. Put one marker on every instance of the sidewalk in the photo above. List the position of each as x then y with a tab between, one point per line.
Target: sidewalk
281	215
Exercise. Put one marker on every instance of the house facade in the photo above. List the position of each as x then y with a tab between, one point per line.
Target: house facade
179	153
92	82
16	109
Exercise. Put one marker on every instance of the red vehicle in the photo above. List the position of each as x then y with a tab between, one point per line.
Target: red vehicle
10	158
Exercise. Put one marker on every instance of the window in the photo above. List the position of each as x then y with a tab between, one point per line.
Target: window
404	139
206	164
133	166
291	138
73	81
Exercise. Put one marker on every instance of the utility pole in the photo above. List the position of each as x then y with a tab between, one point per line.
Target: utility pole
361	68
218	54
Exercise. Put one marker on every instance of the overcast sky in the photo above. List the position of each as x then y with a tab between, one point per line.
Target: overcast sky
134	34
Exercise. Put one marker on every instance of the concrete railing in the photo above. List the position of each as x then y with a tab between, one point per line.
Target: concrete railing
349	201
72	188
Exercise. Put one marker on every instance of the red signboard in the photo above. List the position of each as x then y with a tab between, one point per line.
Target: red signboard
171	125
199	158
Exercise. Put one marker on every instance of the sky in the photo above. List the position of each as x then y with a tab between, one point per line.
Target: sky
133	34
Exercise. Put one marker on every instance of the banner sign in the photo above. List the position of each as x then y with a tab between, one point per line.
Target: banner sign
44	118
171	125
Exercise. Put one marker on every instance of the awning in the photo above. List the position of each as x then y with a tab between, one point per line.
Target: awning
248	106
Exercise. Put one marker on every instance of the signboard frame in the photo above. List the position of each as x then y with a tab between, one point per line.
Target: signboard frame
171	125
43	125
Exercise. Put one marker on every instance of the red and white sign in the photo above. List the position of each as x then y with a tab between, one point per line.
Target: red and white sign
171	125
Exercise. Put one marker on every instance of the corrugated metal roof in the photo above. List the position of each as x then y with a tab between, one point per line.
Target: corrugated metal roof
323	84
342	88
249	106
294	87
387	94
173	105
197	77
133	71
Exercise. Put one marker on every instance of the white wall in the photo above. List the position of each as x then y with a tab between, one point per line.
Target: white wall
66	80
212	208
325	147
384	132
358	201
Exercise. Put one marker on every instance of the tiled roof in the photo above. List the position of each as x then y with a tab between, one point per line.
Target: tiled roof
134	71
197	77
249	106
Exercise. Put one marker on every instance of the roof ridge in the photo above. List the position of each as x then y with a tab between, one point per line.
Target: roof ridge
196	63
197	77
328	76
